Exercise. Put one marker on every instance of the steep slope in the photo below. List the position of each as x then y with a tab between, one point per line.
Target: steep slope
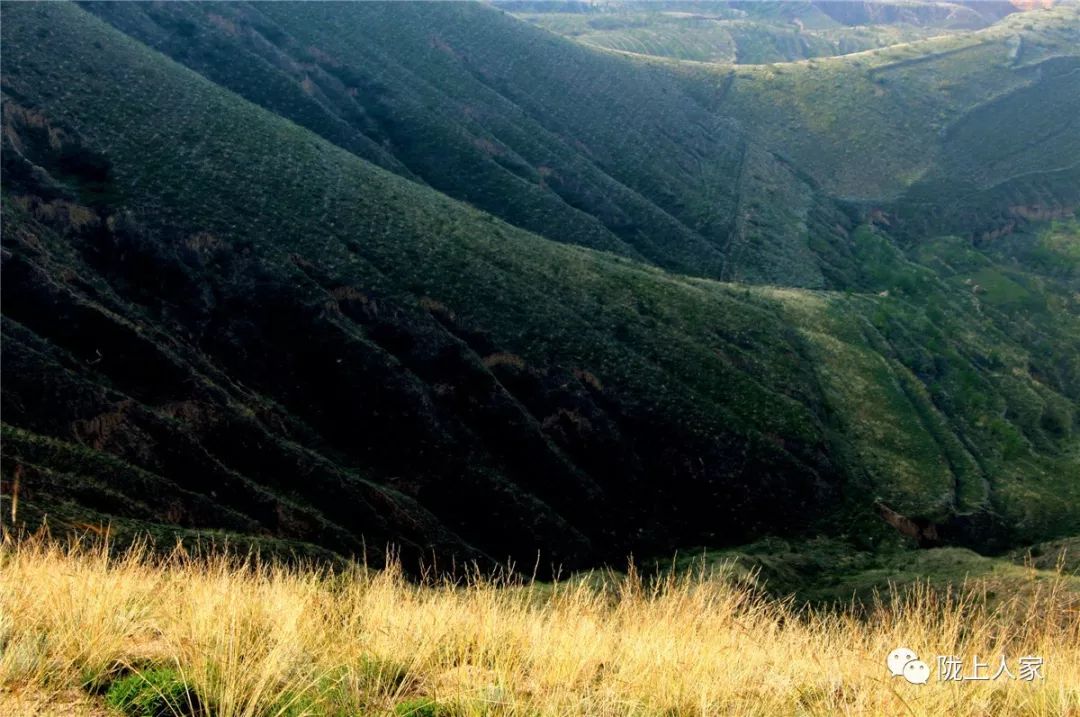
215	318
323	350
708	170
573	144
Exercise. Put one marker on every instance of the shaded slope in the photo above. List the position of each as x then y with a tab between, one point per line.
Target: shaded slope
714	171
573	144
293	333
218	306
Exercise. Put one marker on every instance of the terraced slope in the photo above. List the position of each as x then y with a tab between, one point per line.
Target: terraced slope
218	318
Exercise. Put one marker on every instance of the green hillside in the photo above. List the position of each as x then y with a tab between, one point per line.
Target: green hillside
969	115
750	32
470	112
707	170
451	281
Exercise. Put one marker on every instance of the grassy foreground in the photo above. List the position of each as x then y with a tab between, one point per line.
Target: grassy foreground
85	633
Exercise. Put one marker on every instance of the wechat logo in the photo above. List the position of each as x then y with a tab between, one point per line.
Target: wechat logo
904	663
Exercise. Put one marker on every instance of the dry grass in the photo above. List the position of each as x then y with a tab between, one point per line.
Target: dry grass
255	639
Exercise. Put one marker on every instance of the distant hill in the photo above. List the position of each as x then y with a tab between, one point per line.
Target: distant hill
454	282
740	32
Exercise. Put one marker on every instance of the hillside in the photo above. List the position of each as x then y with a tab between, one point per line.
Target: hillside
754	32
959	126
402	285
706	170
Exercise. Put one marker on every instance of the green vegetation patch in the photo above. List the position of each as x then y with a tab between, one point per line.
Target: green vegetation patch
422	707
160	692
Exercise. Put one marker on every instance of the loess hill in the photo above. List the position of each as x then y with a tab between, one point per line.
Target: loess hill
736	31
451	281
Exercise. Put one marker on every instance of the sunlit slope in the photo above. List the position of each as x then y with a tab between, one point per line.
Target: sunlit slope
749	32
951	132
214	318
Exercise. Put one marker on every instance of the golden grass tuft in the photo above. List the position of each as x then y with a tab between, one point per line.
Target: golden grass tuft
258	639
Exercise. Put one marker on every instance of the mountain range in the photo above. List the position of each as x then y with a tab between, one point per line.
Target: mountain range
456	277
